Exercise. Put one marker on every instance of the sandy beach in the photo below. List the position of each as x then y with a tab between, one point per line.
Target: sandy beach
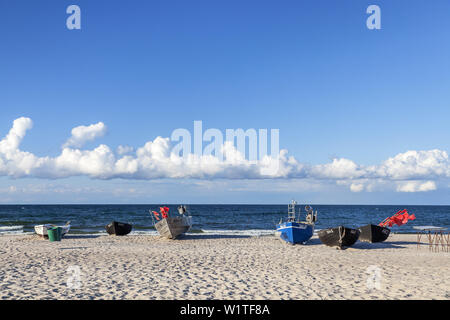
218	267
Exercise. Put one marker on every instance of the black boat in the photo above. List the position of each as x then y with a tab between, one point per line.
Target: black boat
118	228
373	233
339	237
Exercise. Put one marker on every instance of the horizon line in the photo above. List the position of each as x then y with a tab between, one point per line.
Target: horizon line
207	204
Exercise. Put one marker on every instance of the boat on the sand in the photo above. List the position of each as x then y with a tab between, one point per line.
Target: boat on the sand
340	237
118	228
373	233
172	227
293	230
41	229
379	233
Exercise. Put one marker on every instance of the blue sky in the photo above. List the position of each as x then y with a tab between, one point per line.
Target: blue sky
312	69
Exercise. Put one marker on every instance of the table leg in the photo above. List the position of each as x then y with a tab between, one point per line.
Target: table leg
447	240
436	241
419	235
430	241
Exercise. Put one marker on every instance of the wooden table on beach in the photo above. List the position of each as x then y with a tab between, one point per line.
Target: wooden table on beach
437	236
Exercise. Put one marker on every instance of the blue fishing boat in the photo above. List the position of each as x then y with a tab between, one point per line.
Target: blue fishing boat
295	231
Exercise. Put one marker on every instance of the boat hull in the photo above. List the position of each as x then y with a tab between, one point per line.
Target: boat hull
118	228
295	232
373	233
340	237
41	230
172	228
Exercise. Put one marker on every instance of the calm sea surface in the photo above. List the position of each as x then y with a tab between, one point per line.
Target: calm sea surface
214	219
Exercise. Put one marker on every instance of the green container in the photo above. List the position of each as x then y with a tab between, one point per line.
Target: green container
54	234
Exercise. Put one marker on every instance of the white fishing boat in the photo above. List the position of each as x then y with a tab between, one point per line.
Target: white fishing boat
41	230
172	227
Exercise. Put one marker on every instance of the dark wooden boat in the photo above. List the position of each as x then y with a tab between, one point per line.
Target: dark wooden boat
340	237
118	228
373	233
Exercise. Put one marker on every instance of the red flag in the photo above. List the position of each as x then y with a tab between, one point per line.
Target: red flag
407	217
156	214
164	212
400	218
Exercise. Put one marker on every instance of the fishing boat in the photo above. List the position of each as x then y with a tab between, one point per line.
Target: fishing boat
379	233
340	237
118	228
373	233
295	231
41	230
172	227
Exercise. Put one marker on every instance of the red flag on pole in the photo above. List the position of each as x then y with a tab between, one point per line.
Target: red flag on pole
156	214
164	212
400	218
407	217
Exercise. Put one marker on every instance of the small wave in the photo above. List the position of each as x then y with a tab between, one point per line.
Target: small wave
196	231
144	232
8	228
249	232
11	229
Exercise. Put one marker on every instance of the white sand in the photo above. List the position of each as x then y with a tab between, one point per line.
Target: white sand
205	267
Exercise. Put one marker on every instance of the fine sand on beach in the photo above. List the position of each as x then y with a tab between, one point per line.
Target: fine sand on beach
218	267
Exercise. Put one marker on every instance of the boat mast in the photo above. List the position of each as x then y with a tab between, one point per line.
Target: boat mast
291	211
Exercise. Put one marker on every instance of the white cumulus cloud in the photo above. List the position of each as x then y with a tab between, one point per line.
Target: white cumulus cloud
83	134
356	187
416	186
416	165
411	171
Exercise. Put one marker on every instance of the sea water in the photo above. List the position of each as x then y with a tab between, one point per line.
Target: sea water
252	220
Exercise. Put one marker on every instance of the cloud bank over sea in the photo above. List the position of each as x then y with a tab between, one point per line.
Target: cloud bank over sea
410	171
